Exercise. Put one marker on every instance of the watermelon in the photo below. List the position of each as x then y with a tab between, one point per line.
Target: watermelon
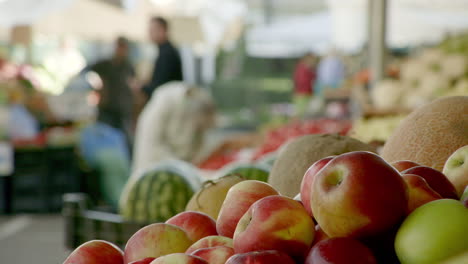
248	171
157	196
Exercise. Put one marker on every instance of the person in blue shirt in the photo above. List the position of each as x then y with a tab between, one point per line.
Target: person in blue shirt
330	73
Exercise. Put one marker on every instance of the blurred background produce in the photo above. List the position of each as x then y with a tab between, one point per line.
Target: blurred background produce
273	71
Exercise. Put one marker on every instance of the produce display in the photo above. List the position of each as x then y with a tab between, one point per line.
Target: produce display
276	137
361	210
431	73
375	128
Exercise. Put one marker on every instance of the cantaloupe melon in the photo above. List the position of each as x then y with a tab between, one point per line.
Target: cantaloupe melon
431	133
211	197
297	156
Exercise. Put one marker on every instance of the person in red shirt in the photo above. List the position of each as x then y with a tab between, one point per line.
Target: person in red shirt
304	79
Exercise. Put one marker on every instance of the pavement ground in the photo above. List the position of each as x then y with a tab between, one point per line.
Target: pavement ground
37	239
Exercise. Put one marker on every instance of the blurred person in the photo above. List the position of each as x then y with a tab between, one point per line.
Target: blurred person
115	97
330	72
168	65
304	79
173	126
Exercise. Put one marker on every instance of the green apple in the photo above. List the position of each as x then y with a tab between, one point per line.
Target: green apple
464	198
456	169
458	259
433	233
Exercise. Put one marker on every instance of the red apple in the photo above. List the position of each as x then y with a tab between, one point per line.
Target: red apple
275	223
456	169
261	257
340	250
143	261
96	252
197	225
419	192
179	258
308	180
436	180
383	245
403	165
215	255
210	241
358	194
238	200
156	240
319	235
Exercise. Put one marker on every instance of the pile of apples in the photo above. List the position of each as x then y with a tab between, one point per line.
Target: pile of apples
354	208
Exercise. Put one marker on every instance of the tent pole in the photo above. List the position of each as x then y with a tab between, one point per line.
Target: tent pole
377	39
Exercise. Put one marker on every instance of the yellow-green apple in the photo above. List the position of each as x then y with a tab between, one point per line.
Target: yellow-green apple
319	235
96	252
156	240
210	241
275	223
458	259
456	169
436	180
403	165
308	180
340	250
419	192
464	198
433	233
197	225
143	261
358	194
179	258
261	257
238	200
215	255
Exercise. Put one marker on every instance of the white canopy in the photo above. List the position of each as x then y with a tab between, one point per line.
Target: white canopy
193	21
410	22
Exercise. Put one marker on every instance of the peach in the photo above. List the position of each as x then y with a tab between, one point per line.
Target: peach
210	241
436	180
419	192
238	200
179	258
156	240
261	257
403	165
275	223
96	252
197	225
215	255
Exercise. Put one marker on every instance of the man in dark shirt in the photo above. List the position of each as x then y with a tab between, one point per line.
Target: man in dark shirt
115	106
168	66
